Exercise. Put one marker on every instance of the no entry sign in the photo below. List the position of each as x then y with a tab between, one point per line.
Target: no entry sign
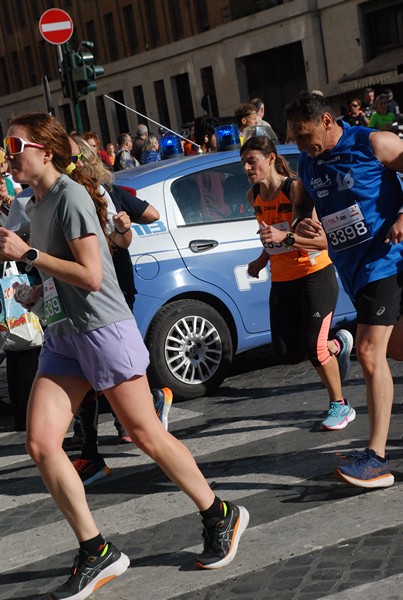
56	26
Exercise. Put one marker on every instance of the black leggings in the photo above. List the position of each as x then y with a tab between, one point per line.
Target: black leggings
301	312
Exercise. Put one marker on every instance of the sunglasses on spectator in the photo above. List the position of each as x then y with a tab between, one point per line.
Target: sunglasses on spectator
76	157
354	105
16	145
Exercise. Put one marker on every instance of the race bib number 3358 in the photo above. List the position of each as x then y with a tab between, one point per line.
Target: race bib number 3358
346	228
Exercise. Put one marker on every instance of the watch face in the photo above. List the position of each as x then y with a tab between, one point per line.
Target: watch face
32	254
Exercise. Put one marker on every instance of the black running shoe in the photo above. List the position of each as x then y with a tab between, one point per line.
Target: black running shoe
75	442
89	573
221	537
91	469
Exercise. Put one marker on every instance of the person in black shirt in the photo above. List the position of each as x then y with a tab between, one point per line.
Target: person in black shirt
355	116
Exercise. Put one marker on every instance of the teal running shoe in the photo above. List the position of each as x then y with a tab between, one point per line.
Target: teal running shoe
346	342
338	416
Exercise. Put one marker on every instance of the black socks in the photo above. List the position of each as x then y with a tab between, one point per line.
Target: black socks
218	510
95	546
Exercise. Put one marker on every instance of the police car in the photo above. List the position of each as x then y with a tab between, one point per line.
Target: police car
196	305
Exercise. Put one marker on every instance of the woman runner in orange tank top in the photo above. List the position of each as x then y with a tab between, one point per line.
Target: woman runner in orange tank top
304	287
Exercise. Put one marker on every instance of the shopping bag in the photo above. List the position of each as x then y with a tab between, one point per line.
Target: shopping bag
20	329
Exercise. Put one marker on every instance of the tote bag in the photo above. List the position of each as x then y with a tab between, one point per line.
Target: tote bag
20	329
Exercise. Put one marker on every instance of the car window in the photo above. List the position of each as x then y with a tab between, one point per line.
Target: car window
216	194
292	160
213	195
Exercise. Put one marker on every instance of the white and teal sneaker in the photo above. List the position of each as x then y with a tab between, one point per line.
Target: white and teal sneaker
338	416
346	342
162	404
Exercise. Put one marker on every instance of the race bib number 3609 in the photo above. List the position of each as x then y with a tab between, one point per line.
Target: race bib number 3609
346	228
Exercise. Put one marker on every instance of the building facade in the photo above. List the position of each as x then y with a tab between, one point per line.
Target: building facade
161	57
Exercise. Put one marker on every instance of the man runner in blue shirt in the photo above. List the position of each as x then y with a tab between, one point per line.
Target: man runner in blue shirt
349	175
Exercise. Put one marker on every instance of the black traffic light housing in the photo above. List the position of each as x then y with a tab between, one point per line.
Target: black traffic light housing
68	87
78	72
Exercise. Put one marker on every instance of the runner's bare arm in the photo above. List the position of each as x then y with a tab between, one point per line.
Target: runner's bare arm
85	271
388	148
304	217
302	205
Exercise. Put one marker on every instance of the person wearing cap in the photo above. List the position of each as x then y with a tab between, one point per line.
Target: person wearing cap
138	142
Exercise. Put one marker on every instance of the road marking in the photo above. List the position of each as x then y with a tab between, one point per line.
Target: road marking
138	512
268	544
206	441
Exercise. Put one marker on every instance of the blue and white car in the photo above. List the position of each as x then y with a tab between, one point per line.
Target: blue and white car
196	305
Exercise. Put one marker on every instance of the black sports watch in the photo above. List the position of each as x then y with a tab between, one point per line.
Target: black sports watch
289	240
30	257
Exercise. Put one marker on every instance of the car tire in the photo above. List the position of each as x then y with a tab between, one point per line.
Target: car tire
190	349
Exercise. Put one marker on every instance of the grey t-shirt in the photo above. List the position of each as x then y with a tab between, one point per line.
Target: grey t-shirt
67	212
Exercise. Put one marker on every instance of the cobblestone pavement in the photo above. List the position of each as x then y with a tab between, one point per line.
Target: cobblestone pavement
259	443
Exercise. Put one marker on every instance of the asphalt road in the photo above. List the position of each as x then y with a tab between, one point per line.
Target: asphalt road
259	443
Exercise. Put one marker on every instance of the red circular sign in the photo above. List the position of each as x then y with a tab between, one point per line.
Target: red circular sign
56	26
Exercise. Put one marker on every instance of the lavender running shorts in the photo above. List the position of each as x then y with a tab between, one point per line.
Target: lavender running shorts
104	357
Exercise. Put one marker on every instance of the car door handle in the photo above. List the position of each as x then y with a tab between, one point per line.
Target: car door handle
202	245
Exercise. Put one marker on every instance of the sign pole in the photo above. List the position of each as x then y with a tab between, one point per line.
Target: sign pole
56	27
46	93
77	117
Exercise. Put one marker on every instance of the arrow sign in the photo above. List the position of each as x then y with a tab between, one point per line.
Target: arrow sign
56	26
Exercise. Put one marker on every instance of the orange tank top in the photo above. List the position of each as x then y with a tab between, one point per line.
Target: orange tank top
286	264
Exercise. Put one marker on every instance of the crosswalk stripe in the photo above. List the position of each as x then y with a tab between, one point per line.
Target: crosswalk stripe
270	543
135	513
206	441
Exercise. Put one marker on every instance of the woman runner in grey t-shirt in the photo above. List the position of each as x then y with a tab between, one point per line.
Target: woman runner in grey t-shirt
91	340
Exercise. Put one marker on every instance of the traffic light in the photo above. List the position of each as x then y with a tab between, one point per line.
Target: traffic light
65	68
78	72
84	72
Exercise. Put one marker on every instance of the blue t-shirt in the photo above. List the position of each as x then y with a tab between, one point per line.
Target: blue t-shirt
357	200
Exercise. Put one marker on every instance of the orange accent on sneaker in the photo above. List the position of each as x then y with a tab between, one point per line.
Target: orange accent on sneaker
104	582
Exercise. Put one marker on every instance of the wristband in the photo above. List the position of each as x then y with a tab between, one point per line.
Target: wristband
400	211
122	232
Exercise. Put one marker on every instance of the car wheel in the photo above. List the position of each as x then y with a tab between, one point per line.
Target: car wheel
190	348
